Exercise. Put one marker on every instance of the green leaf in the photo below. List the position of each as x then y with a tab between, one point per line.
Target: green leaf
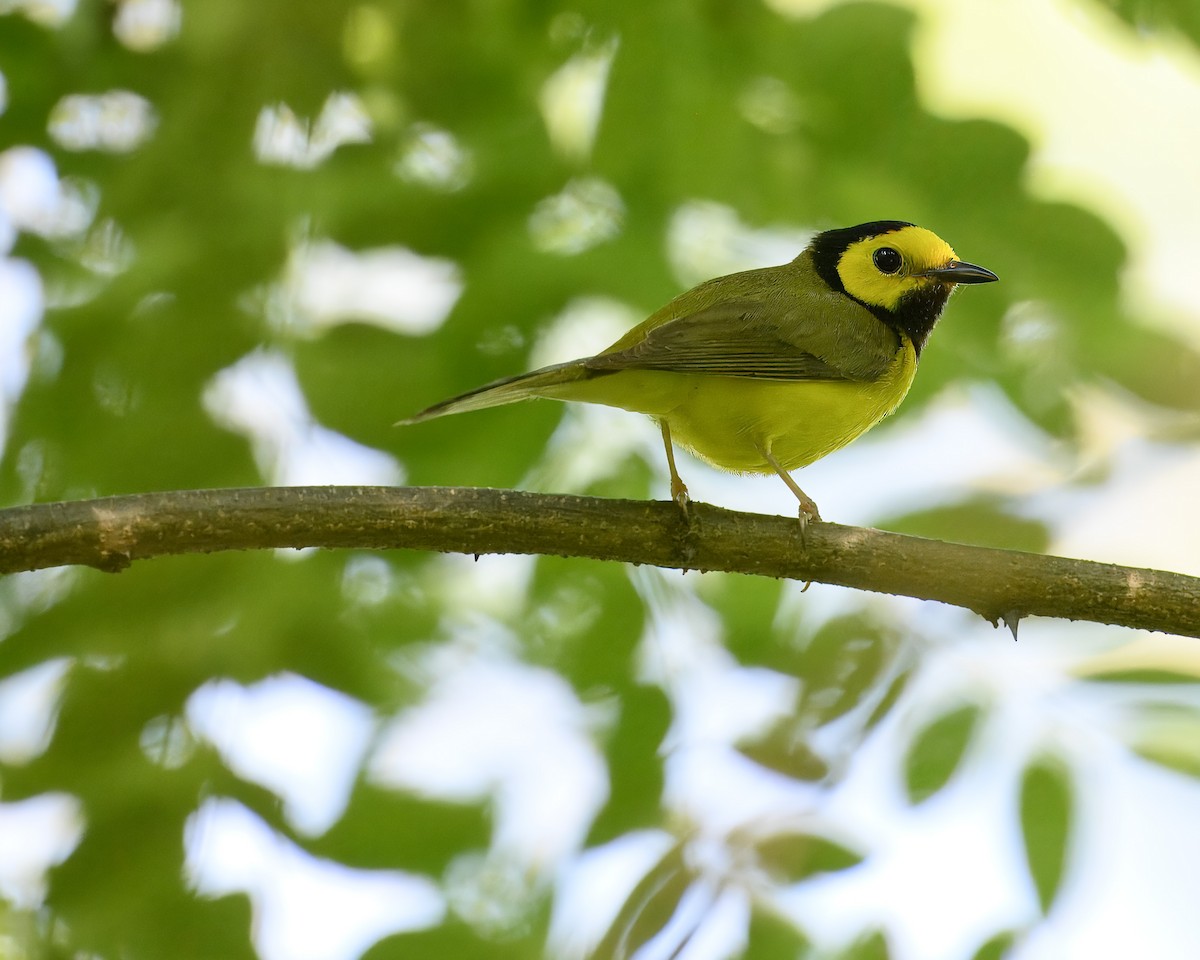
1143	675
748	607
872	946
584	620
454	939
183	620
634	765
1167	734
937	751
385	828
889	699
772	936
982	521
791	857
840	665
1046	811
997	948
1165	16
649	908
785	750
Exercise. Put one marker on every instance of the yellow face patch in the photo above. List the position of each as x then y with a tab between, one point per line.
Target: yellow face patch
880	270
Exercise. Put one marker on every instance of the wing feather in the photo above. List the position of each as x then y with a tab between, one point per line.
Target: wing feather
753	340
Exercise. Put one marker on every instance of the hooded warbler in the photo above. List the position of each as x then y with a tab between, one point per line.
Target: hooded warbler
769	370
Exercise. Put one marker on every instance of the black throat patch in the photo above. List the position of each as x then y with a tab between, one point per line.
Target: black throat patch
915	315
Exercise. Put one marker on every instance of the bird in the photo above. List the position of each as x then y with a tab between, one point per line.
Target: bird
768	370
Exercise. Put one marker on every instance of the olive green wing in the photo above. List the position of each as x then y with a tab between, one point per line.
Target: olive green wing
822	337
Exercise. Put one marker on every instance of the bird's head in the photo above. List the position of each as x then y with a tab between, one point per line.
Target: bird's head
902	273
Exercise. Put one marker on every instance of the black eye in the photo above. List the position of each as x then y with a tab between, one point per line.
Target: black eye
887	260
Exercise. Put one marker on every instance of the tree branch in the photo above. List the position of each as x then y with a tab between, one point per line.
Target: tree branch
1006	585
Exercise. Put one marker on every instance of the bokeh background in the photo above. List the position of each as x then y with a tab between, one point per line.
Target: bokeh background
241	239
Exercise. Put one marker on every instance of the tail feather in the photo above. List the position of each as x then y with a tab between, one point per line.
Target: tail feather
499	392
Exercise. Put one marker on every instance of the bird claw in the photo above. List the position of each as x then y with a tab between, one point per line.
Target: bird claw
679	493
808	514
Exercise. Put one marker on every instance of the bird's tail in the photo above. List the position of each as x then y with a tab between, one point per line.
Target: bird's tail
509	390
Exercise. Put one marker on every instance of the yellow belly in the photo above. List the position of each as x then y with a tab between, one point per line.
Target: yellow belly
730	421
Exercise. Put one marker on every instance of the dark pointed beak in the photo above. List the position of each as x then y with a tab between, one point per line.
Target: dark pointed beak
958	272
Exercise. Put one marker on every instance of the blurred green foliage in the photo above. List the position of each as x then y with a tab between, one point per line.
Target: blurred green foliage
937	750
1046	819
997	948
1159	15
732	103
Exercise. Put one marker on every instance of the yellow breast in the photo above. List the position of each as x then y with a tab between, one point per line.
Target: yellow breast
727	421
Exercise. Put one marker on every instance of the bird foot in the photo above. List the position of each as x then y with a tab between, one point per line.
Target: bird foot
679	493
808	514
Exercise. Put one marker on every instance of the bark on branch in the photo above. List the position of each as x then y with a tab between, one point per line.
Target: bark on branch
1006	585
